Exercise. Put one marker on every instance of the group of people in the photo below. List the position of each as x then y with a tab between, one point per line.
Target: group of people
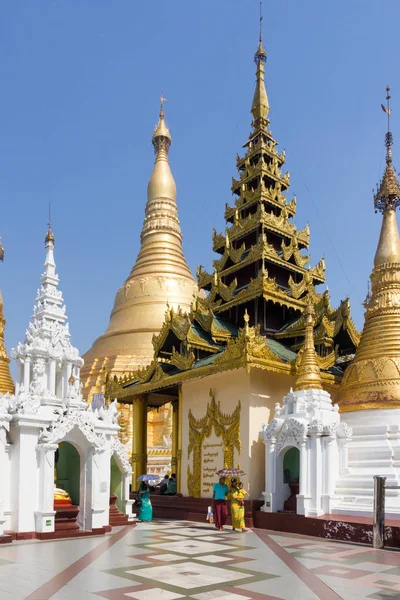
143	502
221	493
236	494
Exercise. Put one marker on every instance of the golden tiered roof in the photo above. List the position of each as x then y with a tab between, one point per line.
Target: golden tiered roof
372	380
250	310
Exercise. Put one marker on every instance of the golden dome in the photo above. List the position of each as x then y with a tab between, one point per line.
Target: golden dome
372	380
160	276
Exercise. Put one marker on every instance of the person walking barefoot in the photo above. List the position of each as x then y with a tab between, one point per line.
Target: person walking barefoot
220	509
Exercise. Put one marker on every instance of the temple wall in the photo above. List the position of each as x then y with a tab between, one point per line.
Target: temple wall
257	392
266	389
228	388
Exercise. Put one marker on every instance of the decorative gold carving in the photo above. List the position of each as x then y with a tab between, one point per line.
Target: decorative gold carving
181	361
292	249
225	426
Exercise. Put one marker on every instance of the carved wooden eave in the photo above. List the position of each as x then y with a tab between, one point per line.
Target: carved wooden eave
259	286
260	147
245	353
257	252
248	198
280	225
272	171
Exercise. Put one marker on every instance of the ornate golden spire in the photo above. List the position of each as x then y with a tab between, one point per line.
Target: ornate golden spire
161	235
373	378
309	375
159	275
260	106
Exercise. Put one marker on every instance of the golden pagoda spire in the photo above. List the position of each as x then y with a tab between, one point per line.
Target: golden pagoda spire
159	275
161	236
309	375
6	381
260	106
373	378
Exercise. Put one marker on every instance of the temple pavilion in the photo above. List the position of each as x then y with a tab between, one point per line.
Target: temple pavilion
226	360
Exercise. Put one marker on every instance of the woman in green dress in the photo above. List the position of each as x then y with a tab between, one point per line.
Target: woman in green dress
145	509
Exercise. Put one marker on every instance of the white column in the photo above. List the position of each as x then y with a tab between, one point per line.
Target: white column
52	376
45	515
27	372
125	495
3	473
270	476
315	509
100	488
303	498
343	455
25	472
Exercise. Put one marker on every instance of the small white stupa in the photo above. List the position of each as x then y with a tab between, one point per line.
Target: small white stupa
47	420
305	443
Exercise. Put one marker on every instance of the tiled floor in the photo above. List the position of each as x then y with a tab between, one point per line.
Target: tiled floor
174	560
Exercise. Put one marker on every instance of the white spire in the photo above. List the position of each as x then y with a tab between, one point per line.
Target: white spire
46	356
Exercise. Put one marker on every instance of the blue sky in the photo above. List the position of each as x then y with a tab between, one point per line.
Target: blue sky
80	87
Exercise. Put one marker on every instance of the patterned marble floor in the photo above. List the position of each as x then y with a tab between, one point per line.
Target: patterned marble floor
168	560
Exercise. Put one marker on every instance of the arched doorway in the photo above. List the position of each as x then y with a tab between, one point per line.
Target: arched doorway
291	478
116	483
68	471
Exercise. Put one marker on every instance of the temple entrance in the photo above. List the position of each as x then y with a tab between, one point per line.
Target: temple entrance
116	484
291	478
68	471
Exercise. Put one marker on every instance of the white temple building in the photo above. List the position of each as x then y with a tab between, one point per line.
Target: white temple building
47	421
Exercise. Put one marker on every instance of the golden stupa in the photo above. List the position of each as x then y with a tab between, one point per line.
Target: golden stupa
372	380
160	277
309	373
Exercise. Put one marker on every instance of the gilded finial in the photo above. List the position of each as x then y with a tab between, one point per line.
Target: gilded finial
260	106
49	236
309	375
161	136
387	196
261	54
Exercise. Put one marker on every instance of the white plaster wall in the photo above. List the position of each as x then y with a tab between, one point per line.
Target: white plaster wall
266	389
228	388
24	478
7	487
258	393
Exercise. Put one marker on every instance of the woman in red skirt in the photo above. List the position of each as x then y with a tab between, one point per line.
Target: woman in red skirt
220	509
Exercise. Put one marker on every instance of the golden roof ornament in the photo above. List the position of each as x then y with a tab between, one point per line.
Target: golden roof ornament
309	374
161	137
372	380
260	105
49	236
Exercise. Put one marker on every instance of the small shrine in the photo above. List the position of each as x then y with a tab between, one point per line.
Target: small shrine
59	457
305	443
